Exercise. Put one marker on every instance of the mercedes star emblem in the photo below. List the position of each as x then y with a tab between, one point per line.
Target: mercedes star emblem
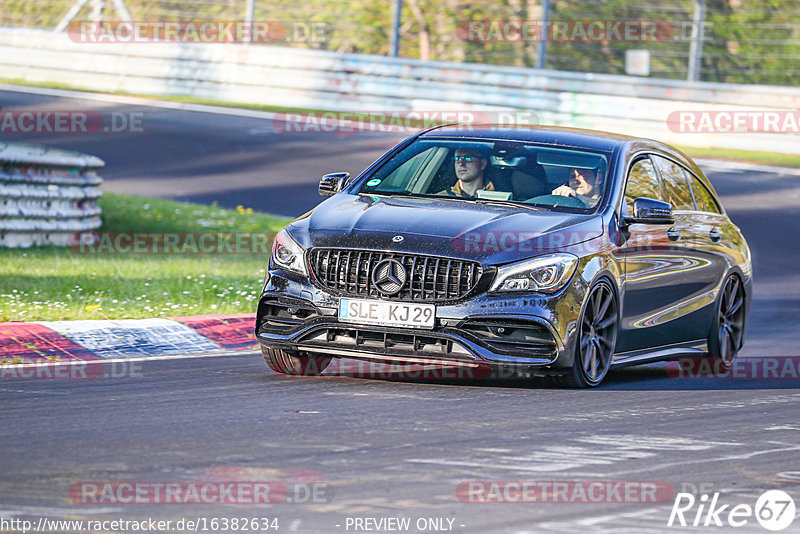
398	239
389	276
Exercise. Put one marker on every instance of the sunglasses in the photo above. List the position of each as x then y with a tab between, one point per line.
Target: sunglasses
465	159
582	174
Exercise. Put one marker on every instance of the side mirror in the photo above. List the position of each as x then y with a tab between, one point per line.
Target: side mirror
649	211
330	184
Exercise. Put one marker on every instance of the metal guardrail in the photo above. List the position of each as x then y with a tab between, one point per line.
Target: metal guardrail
47	196
289	77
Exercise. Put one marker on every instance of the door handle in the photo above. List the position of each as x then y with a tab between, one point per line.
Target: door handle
715	235
673	234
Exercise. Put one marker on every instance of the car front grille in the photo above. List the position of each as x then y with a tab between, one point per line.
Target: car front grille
429	278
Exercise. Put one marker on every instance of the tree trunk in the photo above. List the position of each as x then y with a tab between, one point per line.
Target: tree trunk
424	31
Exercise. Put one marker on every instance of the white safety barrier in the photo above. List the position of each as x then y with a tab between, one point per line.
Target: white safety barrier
289	77
47	196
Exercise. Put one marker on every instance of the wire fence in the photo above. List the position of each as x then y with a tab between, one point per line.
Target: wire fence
741	41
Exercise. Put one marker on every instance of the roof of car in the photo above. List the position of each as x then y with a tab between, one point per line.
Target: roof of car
535	134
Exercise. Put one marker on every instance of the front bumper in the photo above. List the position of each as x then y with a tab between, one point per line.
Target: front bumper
527	330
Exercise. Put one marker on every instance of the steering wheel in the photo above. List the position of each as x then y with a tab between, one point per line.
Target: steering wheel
556	201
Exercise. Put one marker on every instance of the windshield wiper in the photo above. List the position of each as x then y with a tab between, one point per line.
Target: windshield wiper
505	203
485	201
388	194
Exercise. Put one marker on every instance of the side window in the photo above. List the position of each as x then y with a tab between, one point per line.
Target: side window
642	182
676	189
702	196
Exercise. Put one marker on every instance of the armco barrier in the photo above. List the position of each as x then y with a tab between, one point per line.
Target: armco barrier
46	195
289	77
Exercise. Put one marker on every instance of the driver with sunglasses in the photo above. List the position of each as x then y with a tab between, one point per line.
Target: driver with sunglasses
470	164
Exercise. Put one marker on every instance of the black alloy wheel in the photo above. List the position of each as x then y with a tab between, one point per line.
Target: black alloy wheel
597	337
727	331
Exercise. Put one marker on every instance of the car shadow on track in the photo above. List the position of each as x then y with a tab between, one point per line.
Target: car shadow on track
750	374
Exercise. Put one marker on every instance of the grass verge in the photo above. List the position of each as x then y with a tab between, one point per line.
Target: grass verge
51	283
745	156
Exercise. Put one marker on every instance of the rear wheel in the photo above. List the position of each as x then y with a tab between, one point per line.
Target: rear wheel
726	336
294	363
597	337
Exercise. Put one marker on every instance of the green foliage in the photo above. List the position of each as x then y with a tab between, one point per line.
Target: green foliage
753	42
745	42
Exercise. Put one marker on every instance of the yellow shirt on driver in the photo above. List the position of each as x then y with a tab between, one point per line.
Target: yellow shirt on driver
458	192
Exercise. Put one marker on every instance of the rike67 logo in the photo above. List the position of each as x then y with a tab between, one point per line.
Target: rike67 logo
774	510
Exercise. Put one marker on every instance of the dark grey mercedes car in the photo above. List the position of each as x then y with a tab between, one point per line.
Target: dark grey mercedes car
548	251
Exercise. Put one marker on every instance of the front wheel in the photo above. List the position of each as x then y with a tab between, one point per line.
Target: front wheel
726	336
597	337
294	363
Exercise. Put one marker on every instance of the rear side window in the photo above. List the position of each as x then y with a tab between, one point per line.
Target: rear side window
676	188
642	182
703	197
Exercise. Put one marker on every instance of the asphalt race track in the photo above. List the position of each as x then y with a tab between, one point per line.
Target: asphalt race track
206	157
382	447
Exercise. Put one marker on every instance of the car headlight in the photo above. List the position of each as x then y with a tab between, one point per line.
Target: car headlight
287	254
547	274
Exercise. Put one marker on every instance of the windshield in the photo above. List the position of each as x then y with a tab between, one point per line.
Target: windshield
497	171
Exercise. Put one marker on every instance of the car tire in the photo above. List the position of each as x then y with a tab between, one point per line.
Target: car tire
294	363
726	336
596	338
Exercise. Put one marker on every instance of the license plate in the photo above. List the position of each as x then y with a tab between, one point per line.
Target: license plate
381	312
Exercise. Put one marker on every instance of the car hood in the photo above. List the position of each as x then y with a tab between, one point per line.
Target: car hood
492	234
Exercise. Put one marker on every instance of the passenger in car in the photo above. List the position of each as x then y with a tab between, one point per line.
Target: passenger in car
584	184
470	165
